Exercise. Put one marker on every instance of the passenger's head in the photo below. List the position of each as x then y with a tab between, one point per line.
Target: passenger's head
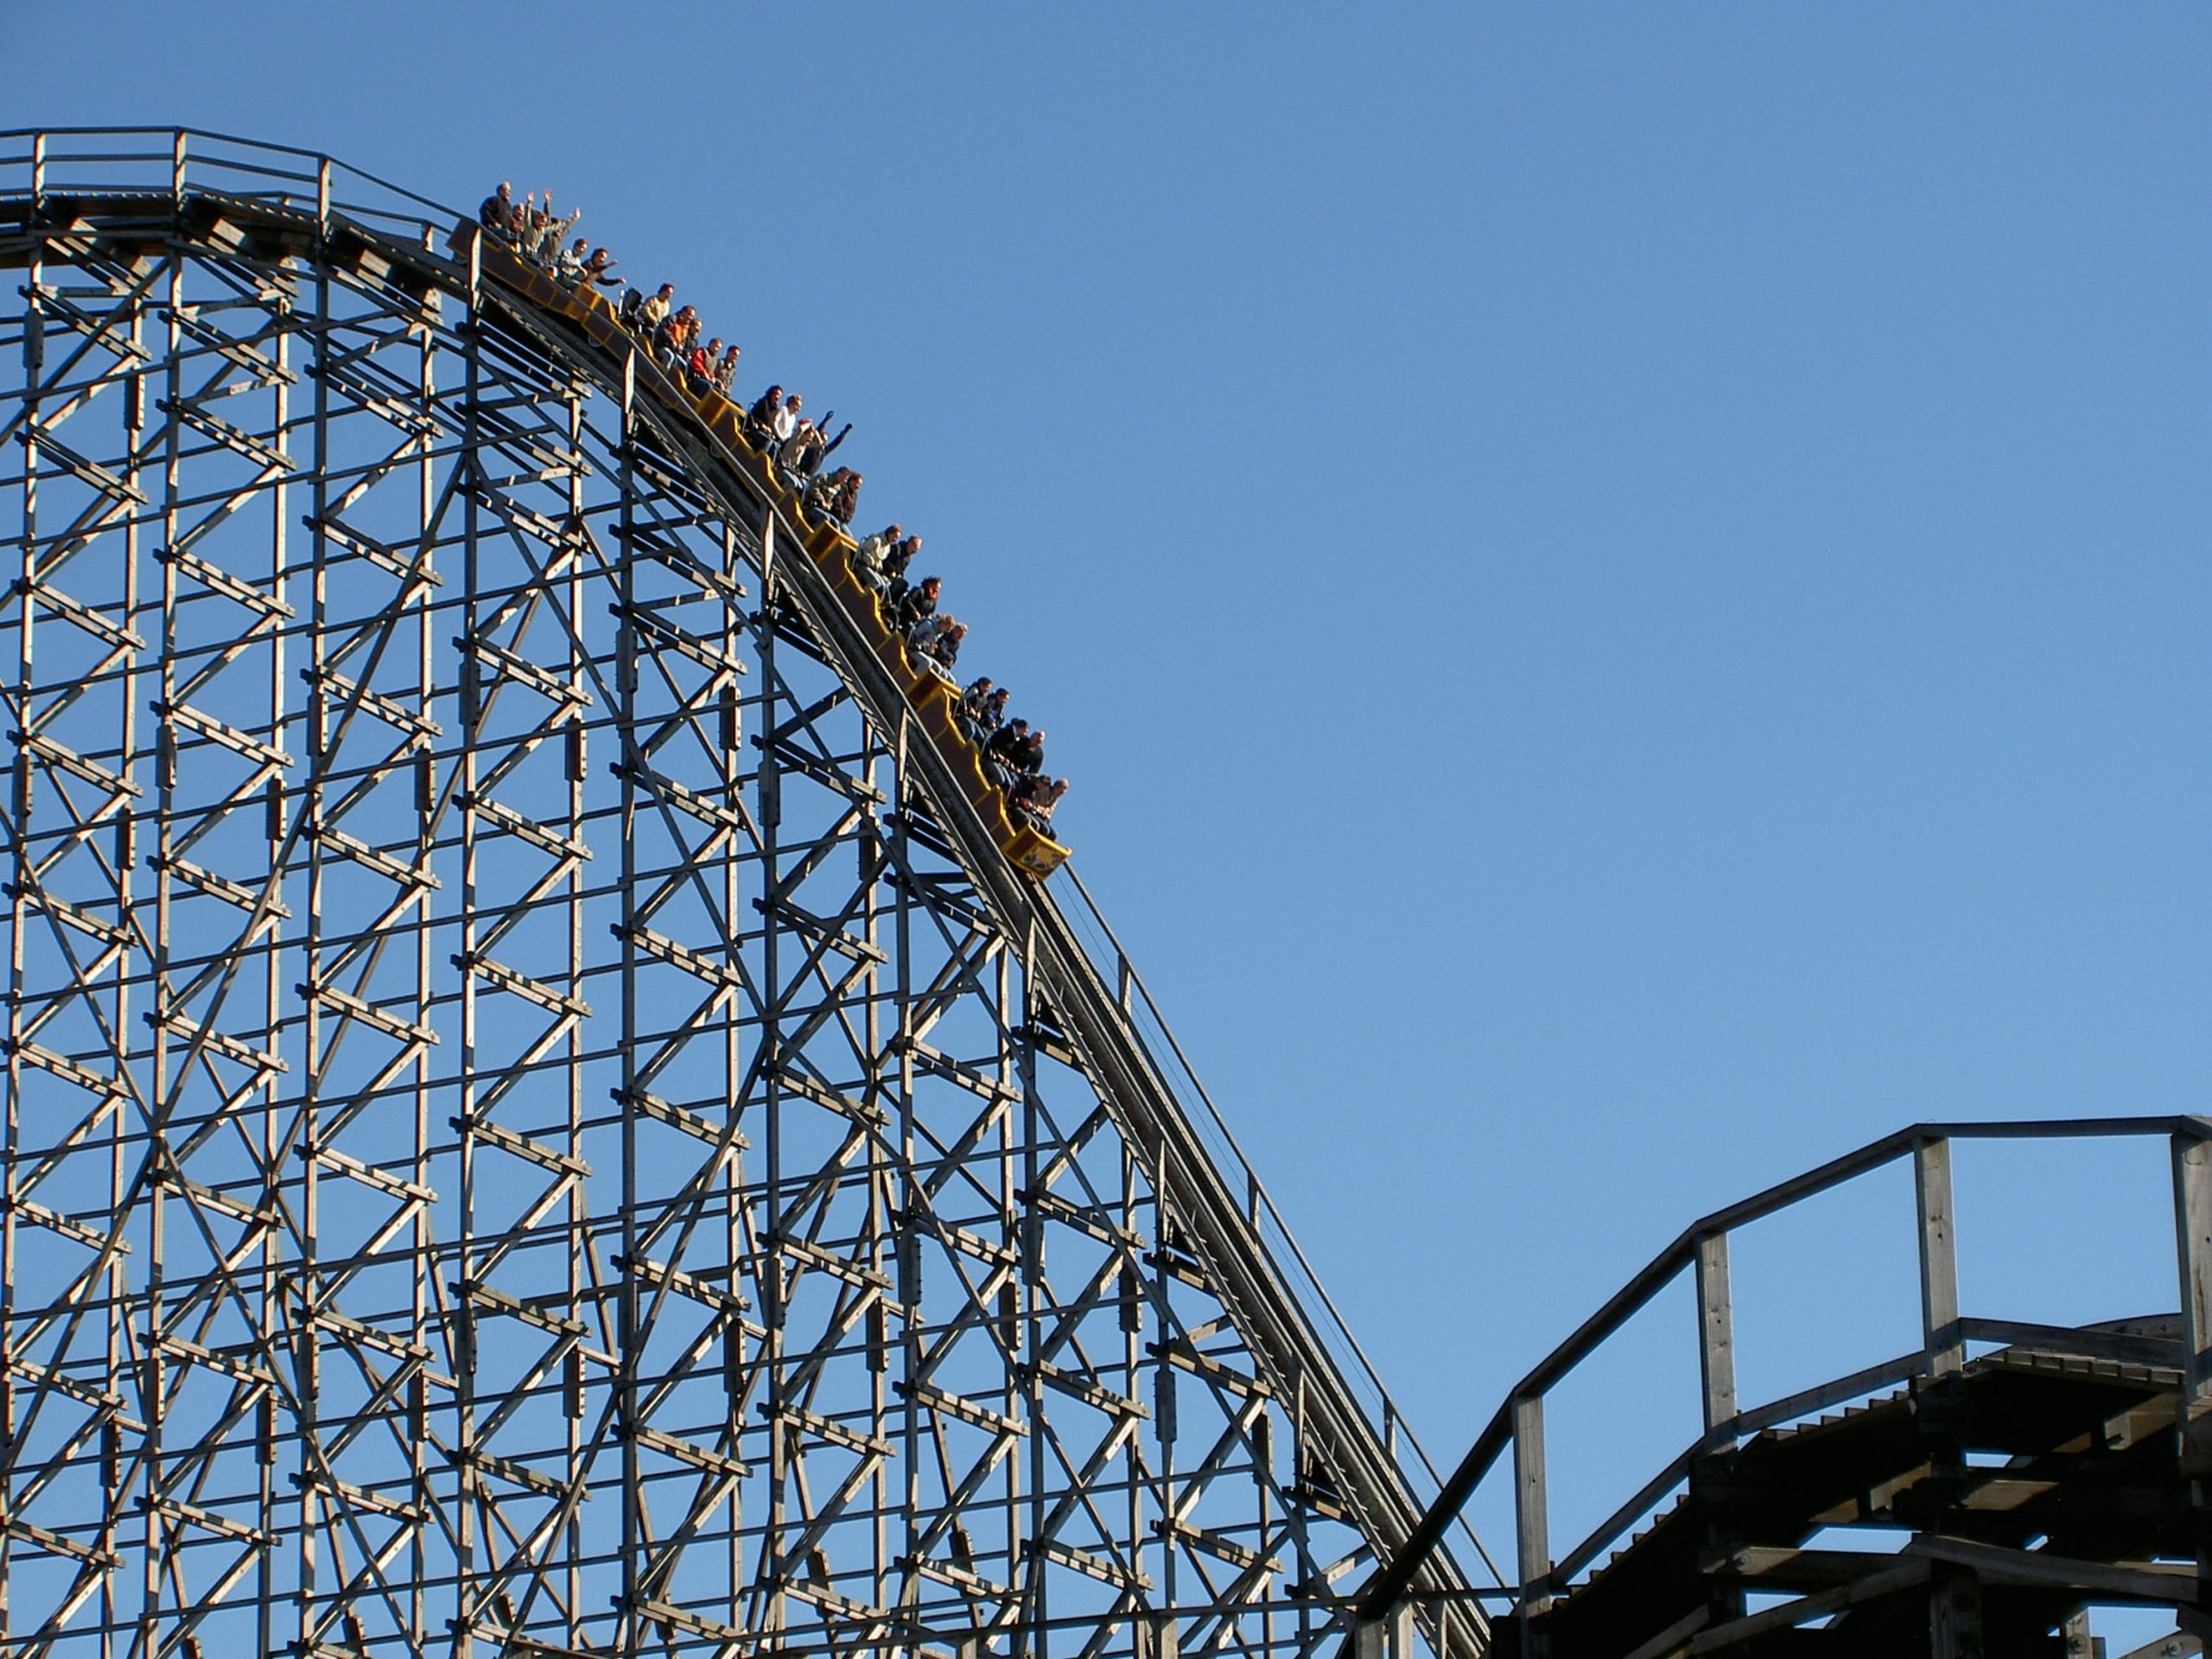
913	545
891	532
773	393
732	354
667	290
794	402
932	584
579	247
715	344
1000	697
507	189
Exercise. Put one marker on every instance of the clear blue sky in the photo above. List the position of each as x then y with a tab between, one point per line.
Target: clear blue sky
1625	588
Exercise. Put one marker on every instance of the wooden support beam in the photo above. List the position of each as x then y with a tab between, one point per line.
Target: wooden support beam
1532	1521
1939	1258
1954	1613
1716	1333
2192	1160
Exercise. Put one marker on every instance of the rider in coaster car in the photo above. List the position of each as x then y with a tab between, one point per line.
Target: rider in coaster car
653	311
894	572
1002	751
972	702
568	265
869	556
945	648
496	215
916	603
760	419
1034	798
699	370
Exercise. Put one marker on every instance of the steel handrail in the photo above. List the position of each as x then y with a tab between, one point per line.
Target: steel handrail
1391	1581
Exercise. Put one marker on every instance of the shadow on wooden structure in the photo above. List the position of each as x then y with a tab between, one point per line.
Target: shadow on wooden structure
2031	1471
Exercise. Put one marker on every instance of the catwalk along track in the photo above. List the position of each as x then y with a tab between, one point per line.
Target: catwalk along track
1997	1492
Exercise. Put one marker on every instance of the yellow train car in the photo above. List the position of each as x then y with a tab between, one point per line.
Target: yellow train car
935	699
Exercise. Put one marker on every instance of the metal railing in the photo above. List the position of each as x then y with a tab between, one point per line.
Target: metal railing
71	160
1088	925
1701	1250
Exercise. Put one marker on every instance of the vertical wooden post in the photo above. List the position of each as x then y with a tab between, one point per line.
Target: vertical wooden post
1402	1631
1953	1613
2193	1238
1532	1520
1716	1347
1939	1258
2192	1160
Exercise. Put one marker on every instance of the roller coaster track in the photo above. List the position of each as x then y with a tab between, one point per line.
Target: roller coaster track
130	216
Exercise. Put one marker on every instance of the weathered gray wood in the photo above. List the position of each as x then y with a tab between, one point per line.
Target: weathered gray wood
1954	1614
1531	1497
2179	1645
1906	1572
1670	1640
2193	1236
1716	1332
1532	1520
2154	1582
1939	1258
1779	1568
